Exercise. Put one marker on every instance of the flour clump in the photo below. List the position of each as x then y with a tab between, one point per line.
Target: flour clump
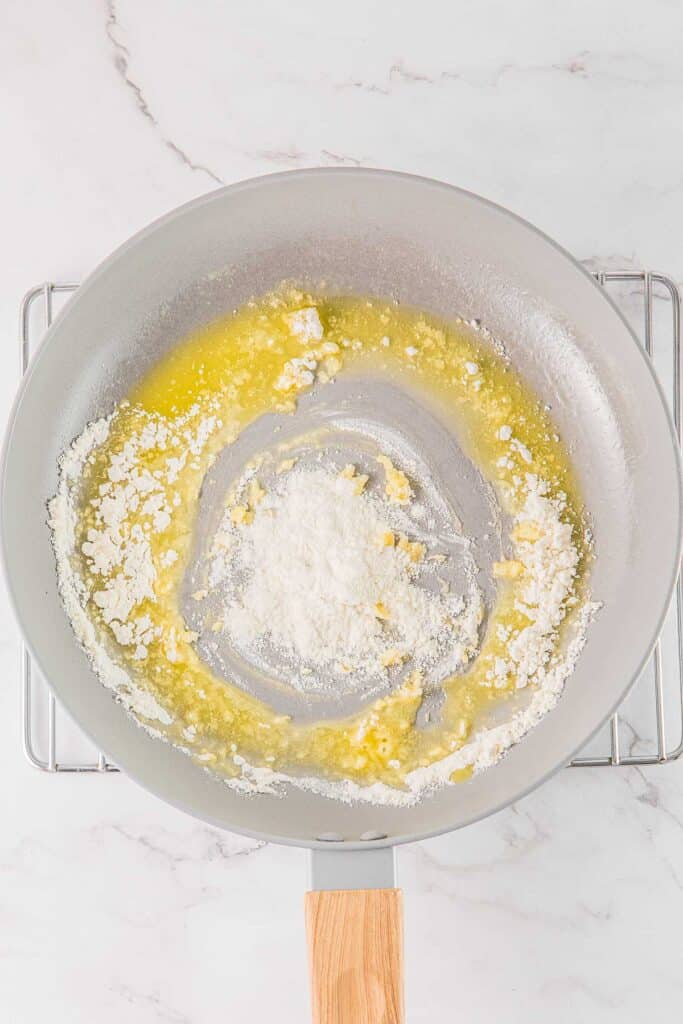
323	575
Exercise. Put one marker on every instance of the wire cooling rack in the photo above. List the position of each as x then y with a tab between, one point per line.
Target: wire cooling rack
647	729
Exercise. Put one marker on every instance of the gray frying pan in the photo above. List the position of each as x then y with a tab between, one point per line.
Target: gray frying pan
431	246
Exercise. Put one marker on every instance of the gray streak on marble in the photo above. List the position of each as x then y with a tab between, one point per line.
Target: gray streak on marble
121	63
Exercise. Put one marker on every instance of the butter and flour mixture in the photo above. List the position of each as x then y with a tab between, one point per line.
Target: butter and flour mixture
330	578
422	634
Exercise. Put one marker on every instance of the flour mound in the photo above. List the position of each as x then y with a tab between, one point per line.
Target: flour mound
321	574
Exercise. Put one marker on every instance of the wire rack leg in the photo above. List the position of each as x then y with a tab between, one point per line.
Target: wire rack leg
45	293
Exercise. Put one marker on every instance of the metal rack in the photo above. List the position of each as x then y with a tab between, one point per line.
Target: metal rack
652	303
34	689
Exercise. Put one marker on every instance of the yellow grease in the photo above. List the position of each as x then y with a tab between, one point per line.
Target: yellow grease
231	368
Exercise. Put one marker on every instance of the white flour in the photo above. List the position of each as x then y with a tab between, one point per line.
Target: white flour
63	520
484	750
312	571
119	558
331	582
550	561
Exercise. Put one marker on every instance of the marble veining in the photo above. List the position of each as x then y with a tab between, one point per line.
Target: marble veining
117	908
121	59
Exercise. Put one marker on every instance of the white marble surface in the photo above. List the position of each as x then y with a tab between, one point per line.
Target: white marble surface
117	909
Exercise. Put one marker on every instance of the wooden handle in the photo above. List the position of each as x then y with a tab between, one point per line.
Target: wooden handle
355	948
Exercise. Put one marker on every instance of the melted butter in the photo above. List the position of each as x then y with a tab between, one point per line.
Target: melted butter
230	369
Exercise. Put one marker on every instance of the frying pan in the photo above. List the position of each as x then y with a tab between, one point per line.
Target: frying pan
452	253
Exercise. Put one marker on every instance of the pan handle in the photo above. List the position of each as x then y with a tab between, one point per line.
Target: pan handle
355	938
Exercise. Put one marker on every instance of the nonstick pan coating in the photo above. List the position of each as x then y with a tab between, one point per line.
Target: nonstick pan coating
429	245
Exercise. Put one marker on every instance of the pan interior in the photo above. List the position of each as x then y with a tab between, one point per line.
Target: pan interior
349	421
431	247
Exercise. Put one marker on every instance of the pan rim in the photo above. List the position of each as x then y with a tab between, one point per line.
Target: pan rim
564	756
